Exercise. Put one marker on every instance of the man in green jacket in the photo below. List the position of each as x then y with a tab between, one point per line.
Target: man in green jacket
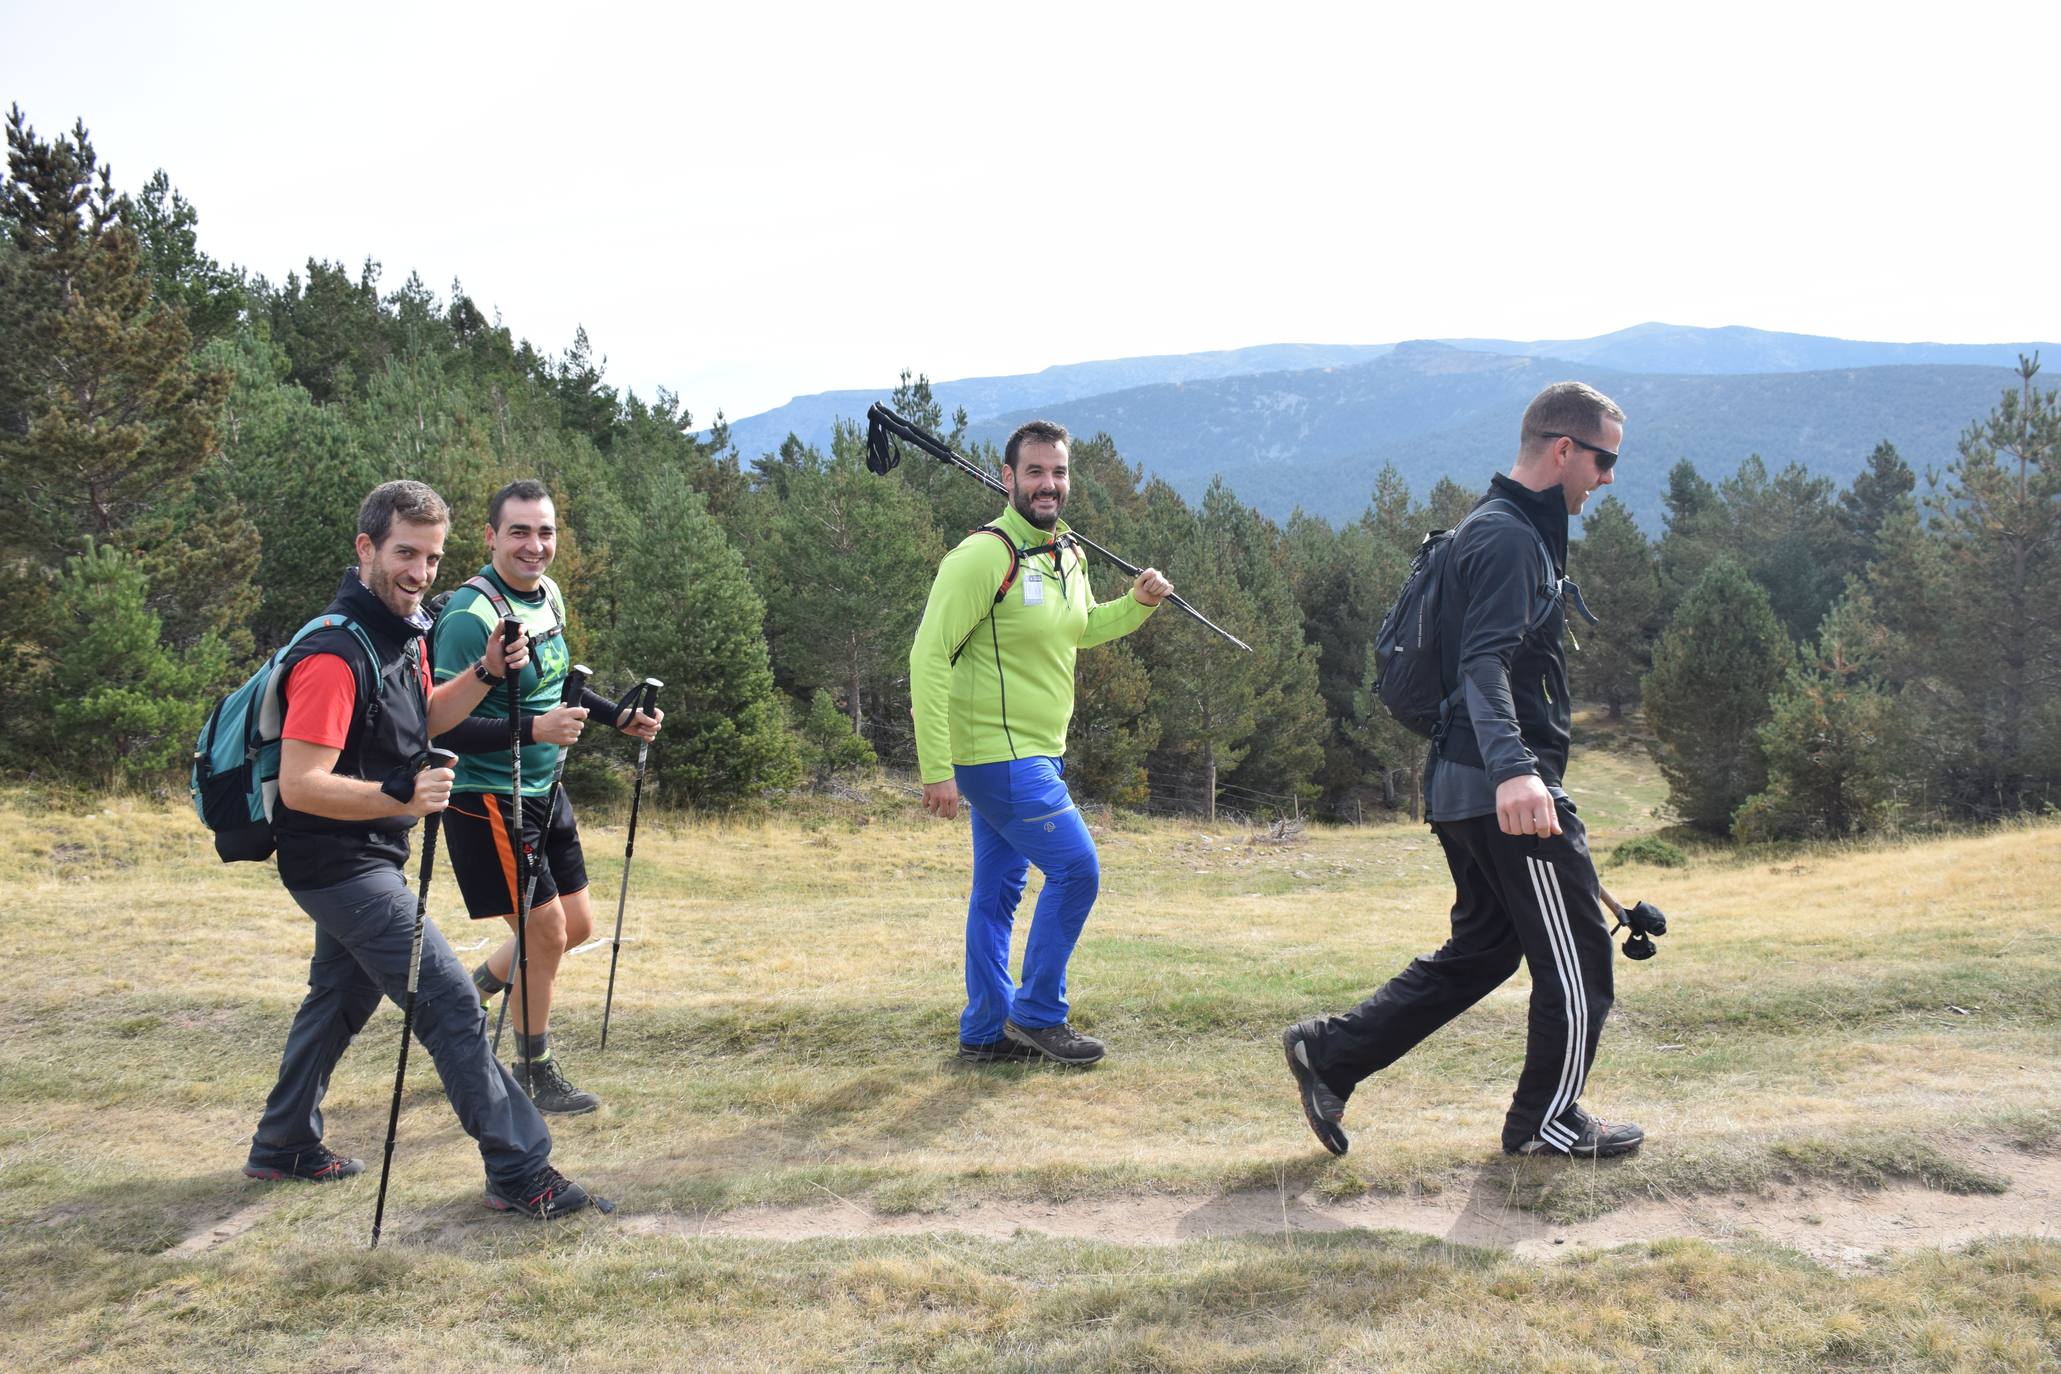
991	686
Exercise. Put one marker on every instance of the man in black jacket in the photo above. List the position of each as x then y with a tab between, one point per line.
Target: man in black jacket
1525	888
356	724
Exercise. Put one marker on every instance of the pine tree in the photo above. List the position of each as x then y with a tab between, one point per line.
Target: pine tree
1284	756
1715	674
1205	692
845	561
211	297
1995	629
299	471
122	707
1835	741
1785	532
1880	491
685	613
110	415
828	746
1615	568
1694	536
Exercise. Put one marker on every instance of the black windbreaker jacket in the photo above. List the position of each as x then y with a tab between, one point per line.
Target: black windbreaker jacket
1501	624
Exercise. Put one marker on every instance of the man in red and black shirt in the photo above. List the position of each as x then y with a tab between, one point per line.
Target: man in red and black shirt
350	790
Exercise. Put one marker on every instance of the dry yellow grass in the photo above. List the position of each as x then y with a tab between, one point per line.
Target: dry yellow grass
784	1021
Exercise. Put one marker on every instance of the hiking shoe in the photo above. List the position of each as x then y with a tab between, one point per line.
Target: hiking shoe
543	1195
1321	1107
1599	1139
319	1165
1061	1044
549	1089
1003	1051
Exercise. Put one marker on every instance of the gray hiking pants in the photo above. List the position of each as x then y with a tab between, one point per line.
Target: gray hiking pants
364	930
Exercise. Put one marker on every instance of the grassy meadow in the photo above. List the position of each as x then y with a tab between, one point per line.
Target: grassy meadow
1819	1022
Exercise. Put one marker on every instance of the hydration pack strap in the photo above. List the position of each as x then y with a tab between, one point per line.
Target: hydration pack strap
1016	557
485	587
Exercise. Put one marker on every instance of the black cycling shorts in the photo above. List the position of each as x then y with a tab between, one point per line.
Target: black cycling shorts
489	872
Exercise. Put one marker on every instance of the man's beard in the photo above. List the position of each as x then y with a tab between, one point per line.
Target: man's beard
1021	499
382	586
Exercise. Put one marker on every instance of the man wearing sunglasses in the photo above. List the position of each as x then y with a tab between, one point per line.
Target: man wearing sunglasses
1525	887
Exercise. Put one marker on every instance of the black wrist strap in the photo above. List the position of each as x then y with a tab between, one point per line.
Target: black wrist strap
400	784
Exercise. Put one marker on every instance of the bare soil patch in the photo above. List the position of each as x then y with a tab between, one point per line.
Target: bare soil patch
1845	1228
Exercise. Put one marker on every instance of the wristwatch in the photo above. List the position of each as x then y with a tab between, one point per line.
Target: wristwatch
479	670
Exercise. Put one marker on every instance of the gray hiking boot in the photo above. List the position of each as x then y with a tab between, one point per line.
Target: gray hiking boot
1003	1051
549	1089
1321	1107
1061	1044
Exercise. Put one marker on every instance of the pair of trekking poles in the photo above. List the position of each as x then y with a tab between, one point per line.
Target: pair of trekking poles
643	698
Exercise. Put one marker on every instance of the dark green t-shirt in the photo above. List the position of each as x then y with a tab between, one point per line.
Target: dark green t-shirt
461	638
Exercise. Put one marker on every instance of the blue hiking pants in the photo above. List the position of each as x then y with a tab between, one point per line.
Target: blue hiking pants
1022	815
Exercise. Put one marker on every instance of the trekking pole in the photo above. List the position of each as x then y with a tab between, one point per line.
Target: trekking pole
575	682
883	427
510	628
651	686
435	758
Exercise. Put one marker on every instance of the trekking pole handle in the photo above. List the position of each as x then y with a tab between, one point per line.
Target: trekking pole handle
438	758
575	684
650	697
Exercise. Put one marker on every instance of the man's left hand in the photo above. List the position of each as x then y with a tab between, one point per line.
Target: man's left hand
642	726
1151	588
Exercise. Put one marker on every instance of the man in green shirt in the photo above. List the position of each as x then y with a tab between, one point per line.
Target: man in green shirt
522	539
991	685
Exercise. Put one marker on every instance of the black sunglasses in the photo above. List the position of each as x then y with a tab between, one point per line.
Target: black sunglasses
1605	459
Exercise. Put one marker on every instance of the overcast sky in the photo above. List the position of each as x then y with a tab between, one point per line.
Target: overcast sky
749	202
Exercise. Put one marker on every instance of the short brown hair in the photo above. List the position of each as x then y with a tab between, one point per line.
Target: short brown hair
391	501
522	489
1574	408
1034	432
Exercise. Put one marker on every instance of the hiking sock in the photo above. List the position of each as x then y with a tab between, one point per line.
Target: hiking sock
535	1048
483	978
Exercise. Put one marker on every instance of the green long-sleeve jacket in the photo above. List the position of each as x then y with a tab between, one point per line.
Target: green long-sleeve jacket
1010	695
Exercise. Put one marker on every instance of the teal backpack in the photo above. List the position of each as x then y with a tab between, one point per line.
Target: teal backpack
235	779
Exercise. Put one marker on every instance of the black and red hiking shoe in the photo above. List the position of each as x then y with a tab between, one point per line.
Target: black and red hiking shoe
543	1195
319	1165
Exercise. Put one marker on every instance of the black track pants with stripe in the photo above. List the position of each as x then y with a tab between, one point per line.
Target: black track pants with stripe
1517	898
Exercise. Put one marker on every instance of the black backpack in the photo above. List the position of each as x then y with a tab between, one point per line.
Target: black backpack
1409	672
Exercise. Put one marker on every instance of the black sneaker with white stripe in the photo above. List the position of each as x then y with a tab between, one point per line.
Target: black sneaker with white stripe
1598	1139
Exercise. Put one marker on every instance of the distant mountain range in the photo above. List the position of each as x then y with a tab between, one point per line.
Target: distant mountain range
1307	425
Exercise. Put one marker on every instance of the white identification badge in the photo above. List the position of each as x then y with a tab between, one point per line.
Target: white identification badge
1033	588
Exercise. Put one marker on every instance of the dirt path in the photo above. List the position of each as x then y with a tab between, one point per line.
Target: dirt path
1845	1228
1841	1227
